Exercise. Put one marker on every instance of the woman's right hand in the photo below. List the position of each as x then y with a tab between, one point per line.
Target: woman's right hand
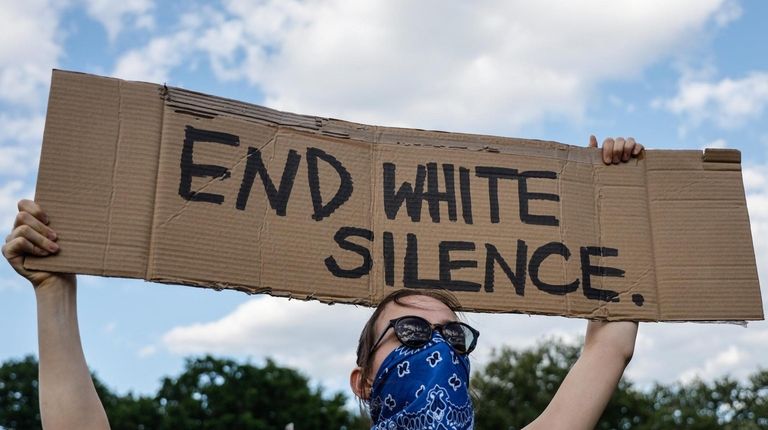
31	236
68	398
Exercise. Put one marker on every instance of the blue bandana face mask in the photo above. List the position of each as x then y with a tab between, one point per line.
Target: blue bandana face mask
422	388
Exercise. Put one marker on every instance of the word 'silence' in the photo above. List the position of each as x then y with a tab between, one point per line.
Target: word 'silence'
447	265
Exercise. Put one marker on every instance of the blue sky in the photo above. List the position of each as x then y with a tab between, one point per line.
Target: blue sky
683	74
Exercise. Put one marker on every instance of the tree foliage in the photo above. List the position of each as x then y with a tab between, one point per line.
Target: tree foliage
516	386
222	394
18	394
510	392
209	394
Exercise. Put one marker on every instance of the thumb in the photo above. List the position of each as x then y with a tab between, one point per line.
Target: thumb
592	141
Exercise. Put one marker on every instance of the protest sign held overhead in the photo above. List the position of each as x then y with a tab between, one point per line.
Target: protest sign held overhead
168	185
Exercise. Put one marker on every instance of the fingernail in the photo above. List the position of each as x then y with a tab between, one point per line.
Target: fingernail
52	235
53	247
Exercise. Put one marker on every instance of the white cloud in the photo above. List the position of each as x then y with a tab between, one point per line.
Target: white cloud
756	187
717	143
16	160
113	15
316	338
22	128
618	102
147	351
321	340
456	66
757	337
20	144
755	178
10	193
449	65
30	47
731	11
723	362
154	62
109	327
727	103
13	282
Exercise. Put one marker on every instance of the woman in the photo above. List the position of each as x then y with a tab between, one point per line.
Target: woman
412	370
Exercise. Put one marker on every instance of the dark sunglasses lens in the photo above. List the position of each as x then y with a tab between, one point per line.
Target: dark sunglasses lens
460	336
413	332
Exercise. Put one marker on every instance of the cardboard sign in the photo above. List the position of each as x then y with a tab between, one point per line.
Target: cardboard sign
168	185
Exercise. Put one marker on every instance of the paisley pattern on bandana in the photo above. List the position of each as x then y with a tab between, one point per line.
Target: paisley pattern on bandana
422	388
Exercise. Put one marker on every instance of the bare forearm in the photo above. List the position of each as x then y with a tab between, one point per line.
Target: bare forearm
68	398
583	395
589	385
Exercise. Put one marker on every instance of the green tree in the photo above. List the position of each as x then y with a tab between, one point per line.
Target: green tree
755	408
722	404
19	394
209	394
517	385
20	408
129	412
510	392
222	394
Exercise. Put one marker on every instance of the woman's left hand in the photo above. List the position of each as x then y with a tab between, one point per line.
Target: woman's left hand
617	150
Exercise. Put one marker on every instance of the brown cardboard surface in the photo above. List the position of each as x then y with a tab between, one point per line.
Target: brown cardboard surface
170	185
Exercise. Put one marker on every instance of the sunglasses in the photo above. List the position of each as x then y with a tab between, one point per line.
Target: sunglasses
413	332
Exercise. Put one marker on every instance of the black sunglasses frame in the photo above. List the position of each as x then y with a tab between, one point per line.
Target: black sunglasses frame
393	324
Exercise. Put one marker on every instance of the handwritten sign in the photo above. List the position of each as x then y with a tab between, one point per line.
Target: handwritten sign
174	186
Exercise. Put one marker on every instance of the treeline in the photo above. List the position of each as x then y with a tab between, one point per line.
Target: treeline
516	385
210	393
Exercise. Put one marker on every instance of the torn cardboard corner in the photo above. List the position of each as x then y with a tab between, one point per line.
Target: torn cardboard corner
173	186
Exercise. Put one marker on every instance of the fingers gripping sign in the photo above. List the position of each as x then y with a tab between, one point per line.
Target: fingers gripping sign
31	235
617	150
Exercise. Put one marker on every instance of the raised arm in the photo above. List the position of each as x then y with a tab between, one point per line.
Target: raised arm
588	387
608	347
68	399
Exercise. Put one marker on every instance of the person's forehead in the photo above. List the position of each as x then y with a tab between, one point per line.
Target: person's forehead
429	308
